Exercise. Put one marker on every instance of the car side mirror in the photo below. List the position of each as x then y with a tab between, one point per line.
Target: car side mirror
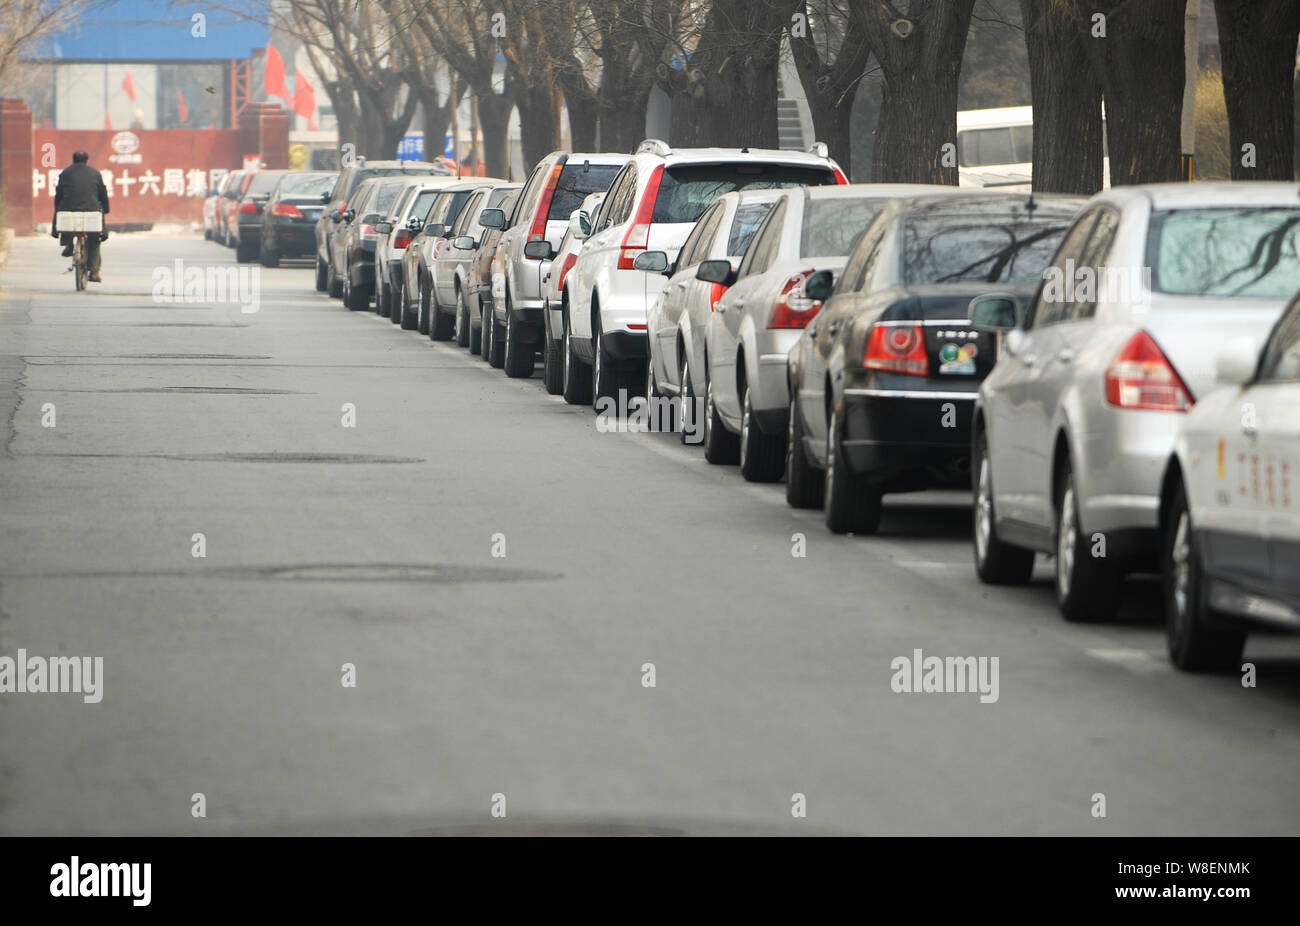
818	287
994	311
324	198
579	225
716	271
651	262
464	243
434	230
383	228
492	218
1235	363
538	250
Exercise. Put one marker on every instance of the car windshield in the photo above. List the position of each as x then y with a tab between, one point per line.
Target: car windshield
1225	252
306	184
577	181
831	226
986	245
743	225
686	191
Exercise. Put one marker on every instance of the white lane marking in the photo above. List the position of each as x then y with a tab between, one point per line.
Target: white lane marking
1135	660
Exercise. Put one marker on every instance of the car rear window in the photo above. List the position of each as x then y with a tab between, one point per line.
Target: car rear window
264	181
577	181
743	225
369	173
423	200
831	226
980	246
687	190
384	195
306	184
1225	252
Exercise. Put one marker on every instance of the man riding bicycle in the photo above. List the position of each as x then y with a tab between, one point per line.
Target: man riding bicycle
81	189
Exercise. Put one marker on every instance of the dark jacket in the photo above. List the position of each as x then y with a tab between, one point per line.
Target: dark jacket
80	189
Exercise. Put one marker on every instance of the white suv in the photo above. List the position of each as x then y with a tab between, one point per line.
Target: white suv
653	204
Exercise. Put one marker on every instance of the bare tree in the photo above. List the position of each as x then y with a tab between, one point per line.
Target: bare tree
831	54
1257	39
25	24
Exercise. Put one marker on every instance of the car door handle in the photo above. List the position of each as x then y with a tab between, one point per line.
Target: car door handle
1029	360
680	284
738	303
1065	355
832	328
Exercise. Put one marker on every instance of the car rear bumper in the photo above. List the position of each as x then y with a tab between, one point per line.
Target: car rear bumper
292	239
626	345
903	441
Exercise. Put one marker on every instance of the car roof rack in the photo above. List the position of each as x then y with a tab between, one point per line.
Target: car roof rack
654	146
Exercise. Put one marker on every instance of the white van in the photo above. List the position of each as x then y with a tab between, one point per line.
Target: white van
995	149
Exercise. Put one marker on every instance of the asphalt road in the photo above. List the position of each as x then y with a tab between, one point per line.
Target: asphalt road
480	675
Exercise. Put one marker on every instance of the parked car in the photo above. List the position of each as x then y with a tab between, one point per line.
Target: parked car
653	204
210	208
355	236
414	294
882	381
437	293
396	232
478	291
221	209
677	322
554	292
1229	514
449	272
245	218
1074	428
555	188
289	217
764	311
336	202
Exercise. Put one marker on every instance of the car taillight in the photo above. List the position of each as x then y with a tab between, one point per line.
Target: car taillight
716	291
287	209
569	260
839	176
792	309
403	240
1141	377
368	232
538	230
248	207
897	349
638	234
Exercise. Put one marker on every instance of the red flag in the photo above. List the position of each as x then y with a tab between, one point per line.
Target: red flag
273	82
181	109
304	95
129	86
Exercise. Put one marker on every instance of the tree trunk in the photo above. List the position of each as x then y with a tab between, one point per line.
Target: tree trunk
494	117
1257	39
622	129
539	121
832	88
1139	64
1067	101
921	63
582	105
437	116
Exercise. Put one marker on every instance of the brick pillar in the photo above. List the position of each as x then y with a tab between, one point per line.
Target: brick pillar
273	138
16	165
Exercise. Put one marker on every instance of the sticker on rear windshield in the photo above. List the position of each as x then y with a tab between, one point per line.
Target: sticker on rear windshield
957	361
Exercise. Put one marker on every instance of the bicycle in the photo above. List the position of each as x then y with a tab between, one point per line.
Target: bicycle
80	224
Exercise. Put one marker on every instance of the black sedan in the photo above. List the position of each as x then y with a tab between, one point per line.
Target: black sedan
289	215
883	381
246	214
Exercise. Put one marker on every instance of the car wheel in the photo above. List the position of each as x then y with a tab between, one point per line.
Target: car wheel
496	352
1087	586
762	456
805	485
244	252
462	320
996	562
407	318
476	334
519	358
691	414
577	375
441	325
385	305
720	445
358	298
336	285
552	364
269	257
1194	646
322	276
207	234
602	367
422	325
851	506
654	398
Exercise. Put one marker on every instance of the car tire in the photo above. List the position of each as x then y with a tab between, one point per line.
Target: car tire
805	485
1087	587
691	415
720	445
851	506
384	307
335	286
496	350
441	325
426	306
462	319
322	276
762	456
408	317
1194	645
476	334
356	298
399	305
552	364
519	358
996	562
244	252
207	234
577	375
269	257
